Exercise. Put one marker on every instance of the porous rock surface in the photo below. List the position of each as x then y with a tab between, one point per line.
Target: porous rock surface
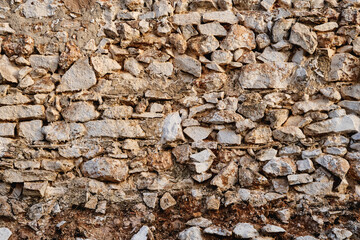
179	119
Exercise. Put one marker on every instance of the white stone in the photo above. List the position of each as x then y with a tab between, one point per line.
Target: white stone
49	63
226	136
326	27
21	112
212	28
161	69
167	201
8	71
227	177
7	129
118	112
271	55
245	230
335	164
315	188
299	178
133	66
302	36
202	161
193	233
351	91
192	18
171	130
143	234
266	75
188	65
280	167
39	9
105	169
103	65
114	128
268	228
62	131
5	29
197	133
288	134
239	37
150	199
321	104
219	231
31	130
199	222
345	124
80	112
5	233
220	16
79	77
353	106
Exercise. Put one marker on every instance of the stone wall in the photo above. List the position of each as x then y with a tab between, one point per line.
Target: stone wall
179	119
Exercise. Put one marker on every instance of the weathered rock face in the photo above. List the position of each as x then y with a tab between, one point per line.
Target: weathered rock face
164	119
105	169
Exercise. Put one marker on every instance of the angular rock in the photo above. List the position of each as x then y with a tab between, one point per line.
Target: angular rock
268	228
160	69
353	106
220	16
19	176
199	222
150	199
202	161
58	165
245	230
326	27
5	233
288	134
79	77
280	29
239	37
280	167
192	18
118	112
335	164
114	128
5	29
31	130
259	135
212	28
171	130
7	129
38	9
266	75
339	234
227	136
8	72
103	65
227	177
62	131
80	112
345	124
143	234
219	231
302	36
36	189
352	91
197	133
167	201
344	67
188	65
133	66
299	179
105	169
21	112
203	44
49	63
193	233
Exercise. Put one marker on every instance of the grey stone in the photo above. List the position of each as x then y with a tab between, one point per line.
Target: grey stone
199	222
239	37
299	179
80	112
103	65
344	67
114	128
219	231
335	164
226	136
143	234
192	18
105	169
326	27
197	133
19	176
21	112
49	63
5	233
302	36
220	16
245	230
171	130
280	167
227	177
62	131
80	76
188	65
7	129
193	233
212	28
352	91
268	228
345	124
31	130
167	201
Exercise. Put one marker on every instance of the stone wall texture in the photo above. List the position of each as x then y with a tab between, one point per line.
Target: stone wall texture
179	119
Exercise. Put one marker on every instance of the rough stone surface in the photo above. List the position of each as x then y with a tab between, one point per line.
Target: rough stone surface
105	169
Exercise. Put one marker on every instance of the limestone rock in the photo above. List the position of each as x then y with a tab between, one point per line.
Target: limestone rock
220	16
344	67
280	167
79	77
203	44
5	233
227	177
280	30
192	18
335	164
245	230
219	231
160	69
80	112
7	129
133	66
302	36
345	124
8	71
226	136
103	65
352	91
199	222
21	112
268	228
266	75
305	166
118	112
167	201
19	176
31	130
5	29
212	28
326	27
353	106
171	130
306	238
193	233
37	9
143	234
150	199
197	133
202	161
36	189
188	65
62	131
105	169
239	37
288	134
49	63
339	234
114	128
299	179
259	135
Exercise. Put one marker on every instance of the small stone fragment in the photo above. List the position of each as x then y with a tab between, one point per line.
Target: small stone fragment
188	65
245	230
167	201
302	36
105	169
